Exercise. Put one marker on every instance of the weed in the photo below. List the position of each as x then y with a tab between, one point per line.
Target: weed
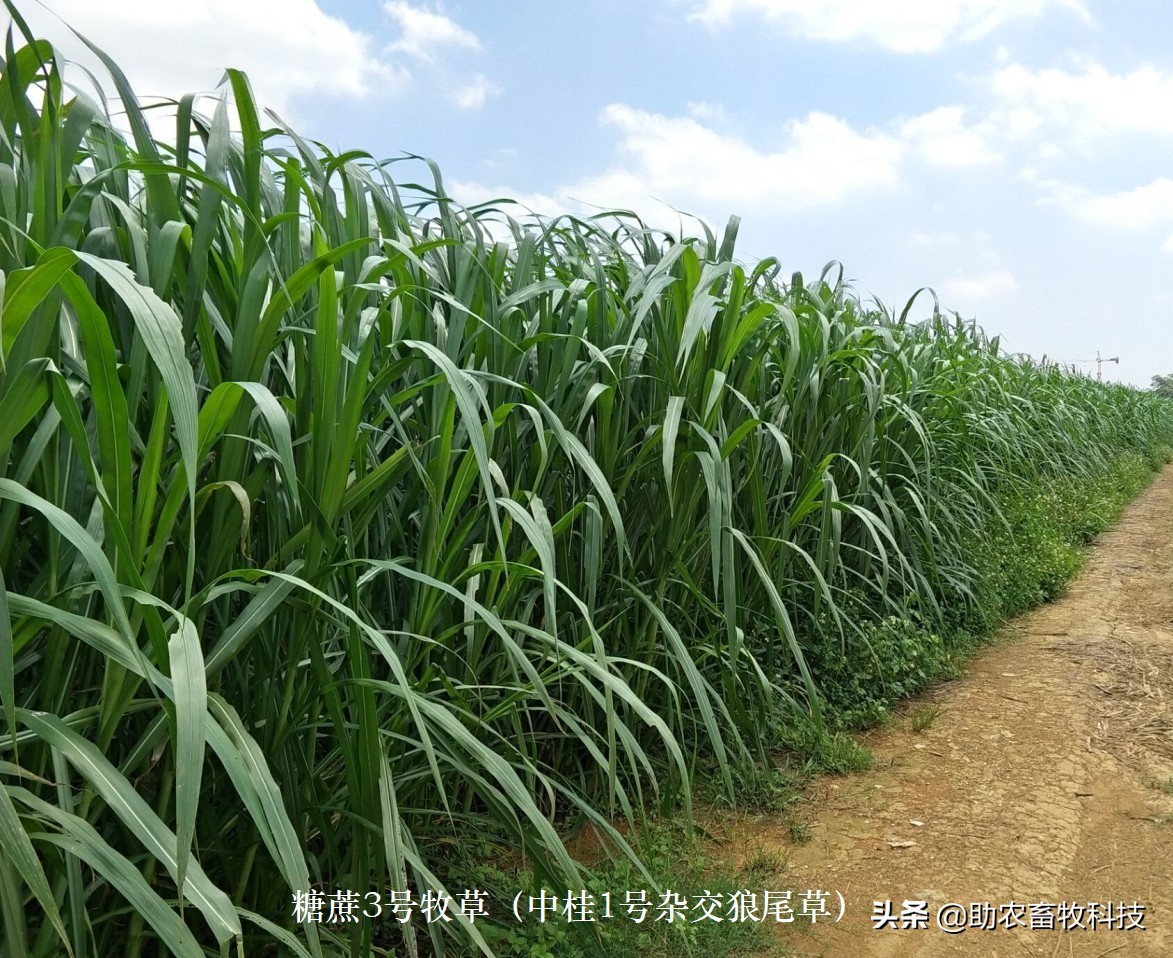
923	718
1163	785
798	829
763	867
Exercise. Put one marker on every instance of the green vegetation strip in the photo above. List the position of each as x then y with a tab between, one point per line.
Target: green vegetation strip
352	539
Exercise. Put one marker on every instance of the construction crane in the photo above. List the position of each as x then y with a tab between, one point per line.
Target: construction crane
1100	365
1099	361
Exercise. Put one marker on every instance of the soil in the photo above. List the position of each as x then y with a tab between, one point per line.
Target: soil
1043	776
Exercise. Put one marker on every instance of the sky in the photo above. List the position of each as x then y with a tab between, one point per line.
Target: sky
1015	156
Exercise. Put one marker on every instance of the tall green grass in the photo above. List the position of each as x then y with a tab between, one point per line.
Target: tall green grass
336	529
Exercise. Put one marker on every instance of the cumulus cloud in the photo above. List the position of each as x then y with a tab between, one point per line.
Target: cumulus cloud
932	239
1138	208
666	166
475	93
517	205
287	47
943	139
472	192
905	26
666	163
424	30
684	162
707	111
1091	101
980	287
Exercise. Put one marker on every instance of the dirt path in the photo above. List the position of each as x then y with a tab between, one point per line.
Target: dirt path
1046	777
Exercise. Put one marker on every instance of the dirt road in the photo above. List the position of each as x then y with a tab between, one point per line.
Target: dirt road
1046	777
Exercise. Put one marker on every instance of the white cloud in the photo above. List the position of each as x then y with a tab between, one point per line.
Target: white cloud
683	162
1018	123
1139	208
980	287
424	30
475	93
942	139
287	47
471	192
707	111
1091	101
667	163
519	206
903	26
937	239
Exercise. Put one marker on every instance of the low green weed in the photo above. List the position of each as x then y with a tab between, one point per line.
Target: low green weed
923	718
677	860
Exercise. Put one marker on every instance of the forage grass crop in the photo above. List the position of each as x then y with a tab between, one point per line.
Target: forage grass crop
336	529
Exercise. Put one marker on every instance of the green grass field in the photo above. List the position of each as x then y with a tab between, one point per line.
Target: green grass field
351	539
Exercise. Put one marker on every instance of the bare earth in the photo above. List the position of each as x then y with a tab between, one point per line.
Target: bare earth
1047	777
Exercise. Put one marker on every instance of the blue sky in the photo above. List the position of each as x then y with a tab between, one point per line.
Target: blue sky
1014	155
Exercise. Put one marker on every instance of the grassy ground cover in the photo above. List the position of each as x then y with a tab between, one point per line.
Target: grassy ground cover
340	536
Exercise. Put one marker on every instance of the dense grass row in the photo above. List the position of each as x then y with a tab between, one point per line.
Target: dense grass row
334	531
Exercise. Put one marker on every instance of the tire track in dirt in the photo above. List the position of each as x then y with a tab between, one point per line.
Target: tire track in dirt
1046	777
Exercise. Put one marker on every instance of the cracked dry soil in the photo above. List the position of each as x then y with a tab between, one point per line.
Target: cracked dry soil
1046	776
